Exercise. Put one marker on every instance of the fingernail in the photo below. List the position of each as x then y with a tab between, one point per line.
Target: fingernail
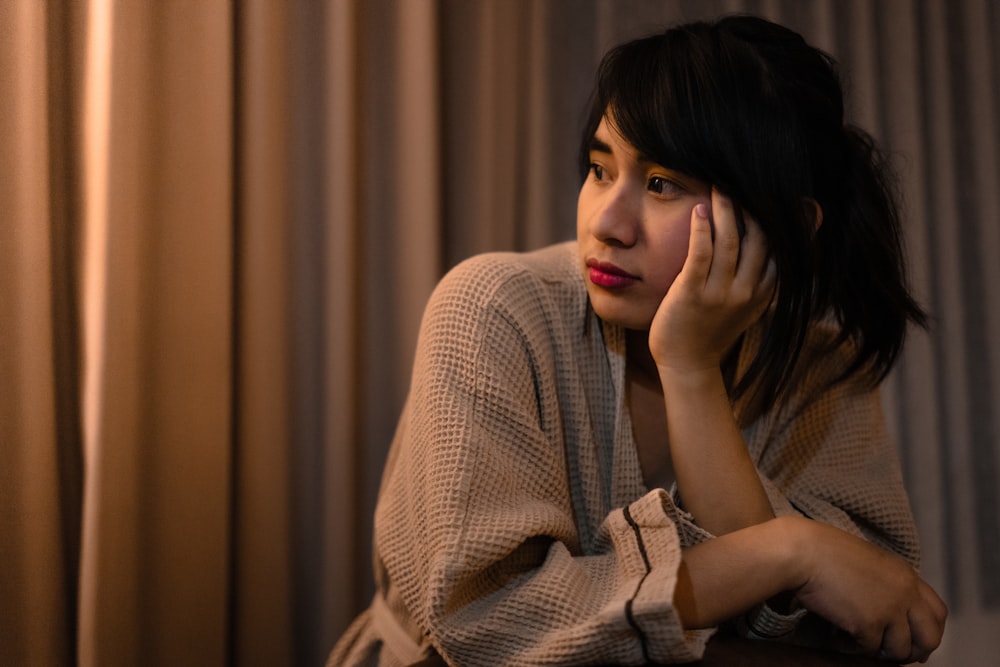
701	211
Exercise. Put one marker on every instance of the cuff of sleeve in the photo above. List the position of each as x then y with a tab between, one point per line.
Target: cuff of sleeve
652	605
689	532
762	622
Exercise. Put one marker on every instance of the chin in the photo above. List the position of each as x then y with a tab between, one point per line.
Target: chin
620	314
629	323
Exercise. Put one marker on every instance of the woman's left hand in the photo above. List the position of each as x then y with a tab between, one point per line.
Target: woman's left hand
725	286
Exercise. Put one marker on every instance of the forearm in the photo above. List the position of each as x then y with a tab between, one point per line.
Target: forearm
717	480
875	597
724	577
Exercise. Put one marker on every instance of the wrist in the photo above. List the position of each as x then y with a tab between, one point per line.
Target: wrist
692	377
795	534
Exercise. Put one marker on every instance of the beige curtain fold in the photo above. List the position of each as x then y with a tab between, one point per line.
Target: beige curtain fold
32	515
157	332
219	223
341	589
263	410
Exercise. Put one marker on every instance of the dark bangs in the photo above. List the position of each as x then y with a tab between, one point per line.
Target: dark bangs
650	95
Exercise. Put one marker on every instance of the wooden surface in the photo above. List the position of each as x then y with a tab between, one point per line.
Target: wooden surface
732	651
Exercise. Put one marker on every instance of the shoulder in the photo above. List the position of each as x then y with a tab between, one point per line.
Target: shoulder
512	282
489	271
826	356
823	359
507	316
820	372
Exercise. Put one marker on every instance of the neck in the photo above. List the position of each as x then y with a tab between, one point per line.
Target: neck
638	358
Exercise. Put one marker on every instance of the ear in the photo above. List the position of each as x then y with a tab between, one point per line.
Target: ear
814	211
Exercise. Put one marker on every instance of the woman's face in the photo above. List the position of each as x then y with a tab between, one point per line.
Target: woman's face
632	222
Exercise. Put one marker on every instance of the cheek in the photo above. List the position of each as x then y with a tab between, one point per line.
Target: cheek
583	210
670	251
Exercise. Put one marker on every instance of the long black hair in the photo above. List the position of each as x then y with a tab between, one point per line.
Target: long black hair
748	106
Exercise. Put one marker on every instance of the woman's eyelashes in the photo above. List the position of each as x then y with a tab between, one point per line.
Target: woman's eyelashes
659	185
664	186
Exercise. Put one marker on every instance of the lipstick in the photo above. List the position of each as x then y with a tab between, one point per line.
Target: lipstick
608	275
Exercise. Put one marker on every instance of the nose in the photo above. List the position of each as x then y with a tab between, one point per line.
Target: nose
616	219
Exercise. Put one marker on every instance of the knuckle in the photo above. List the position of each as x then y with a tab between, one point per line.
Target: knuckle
743	294
700	253
728	243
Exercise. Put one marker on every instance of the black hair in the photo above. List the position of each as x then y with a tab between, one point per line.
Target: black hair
748	106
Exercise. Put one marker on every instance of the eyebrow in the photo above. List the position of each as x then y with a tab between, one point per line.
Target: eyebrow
598	146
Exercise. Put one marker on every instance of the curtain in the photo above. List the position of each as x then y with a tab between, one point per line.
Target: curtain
219	223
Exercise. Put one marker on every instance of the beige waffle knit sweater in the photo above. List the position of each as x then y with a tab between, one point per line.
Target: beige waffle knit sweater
513	526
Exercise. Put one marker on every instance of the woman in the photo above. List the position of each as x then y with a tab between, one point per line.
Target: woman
614	446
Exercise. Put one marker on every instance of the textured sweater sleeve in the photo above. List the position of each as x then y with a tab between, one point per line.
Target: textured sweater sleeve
827	455
476	528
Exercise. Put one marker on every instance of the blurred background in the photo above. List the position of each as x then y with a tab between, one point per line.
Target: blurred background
219	223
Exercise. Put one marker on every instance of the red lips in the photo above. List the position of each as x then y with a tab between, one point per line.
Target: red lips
608	275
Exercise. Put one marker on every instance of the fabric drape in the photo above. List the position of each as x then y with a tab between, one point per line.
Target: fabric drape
219	224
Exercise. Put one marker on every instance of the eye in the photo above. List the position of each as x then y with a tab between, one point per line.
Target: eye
663	186
597	170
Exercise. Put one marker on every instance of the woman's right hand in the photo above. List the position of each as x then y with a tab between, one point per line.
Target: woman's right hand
875	597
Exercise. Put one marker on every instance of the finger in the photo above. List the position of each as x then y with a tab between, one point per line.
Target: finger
896	642
699	256
869	644
866	639
756	269
727	236
926	623
753	255
769	277
845	642
934	601
765	289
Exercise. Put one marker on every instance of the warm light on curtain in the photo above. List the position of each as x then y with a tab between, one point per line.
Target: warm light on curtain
32	578
219	223
96	143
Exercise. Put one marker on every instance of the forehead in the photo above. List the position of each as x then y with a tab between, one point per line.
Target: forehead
608	139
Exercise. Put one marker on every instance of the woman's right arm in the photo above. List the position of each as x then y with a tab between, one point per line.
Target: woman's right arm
875	597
